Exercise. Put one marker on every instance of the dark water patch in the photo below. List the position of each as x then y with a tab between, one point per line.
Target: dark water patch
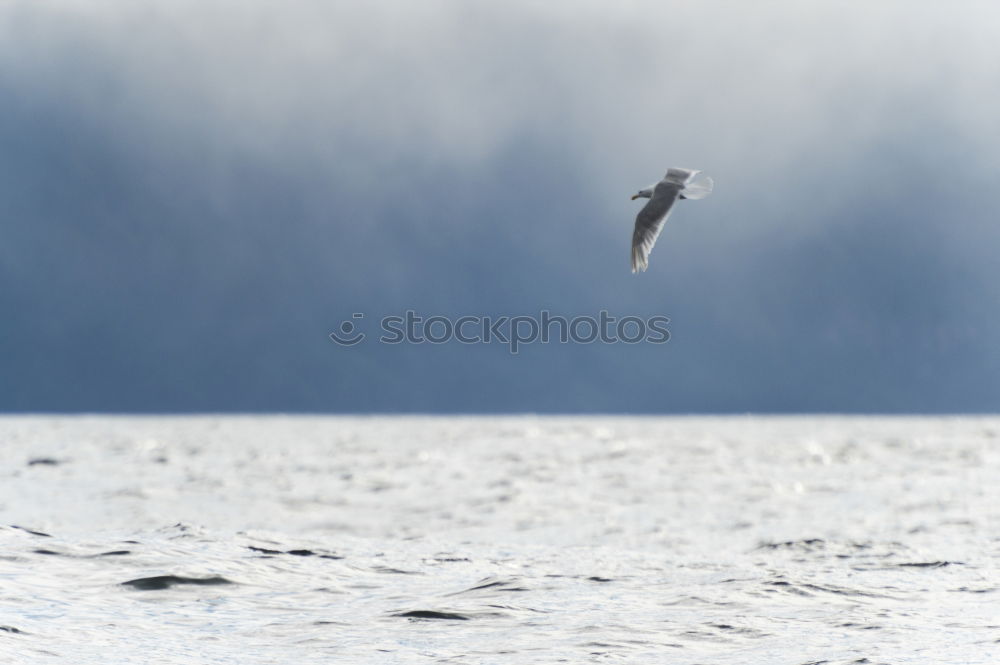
840	550
493	584
786	586
264	550
843	591
432	614
957	522
31	531
930	564
860	626
11	629
809	544
507	609
704	636
44	461
605	648
591	578
47	552
297	552
736	630
179	531
159	582
388	570
455	559
305	552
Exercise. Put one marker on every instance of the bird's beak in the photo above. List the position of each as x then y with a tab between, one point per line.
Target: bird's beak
635	196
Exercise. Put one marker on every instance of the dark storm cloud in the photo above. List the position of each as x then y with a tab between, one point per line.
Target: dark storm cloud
195	194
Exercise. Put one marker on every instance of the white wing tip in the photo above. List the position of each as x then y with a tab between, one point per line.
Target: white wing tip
639	262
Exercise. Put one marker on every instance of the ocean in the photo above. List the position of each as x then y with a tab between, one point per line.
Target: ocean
519	539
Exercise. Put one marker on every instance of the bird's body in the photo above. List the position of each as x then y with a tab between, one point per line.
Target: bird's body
662	196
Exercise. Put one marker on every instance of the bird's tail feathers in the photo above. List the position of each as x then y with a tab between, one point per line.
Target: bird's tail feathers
698	190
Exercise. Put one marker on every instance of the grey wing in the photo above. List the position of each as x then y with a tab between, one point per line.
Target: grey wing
649	222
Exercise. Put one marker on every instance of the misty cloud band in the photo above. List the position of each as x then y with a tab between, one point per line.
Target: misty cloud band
514	331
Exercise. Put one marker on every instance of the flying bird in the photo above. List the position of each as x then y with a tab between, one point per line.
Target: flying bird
662	196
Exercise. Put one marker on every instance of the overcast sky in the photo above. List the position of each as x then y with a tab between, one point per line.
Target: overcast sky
195	193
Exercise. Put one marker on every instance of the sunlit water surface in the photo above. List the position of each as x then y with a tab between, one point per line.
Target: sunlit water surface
499	540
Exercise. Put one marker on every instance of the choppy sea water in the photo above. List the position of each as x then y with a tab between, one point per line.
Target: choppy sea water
499	540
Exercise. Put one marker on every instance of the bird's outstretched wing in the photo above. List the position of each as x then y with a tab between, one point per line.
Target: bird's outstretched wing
650	220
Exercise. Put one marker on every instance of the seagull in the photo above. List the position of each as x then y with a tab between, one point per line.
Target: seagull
648	223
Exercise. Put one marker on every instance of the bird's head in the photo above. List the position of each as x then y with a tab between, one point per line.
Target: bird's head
643	194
